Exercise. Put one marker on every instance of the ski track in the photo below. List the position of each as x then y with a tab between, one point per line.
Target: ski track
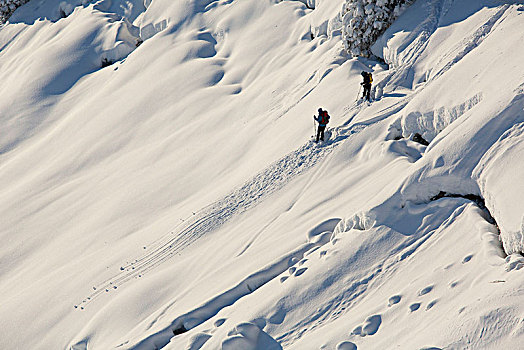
280	173
212	217
272	179
211	307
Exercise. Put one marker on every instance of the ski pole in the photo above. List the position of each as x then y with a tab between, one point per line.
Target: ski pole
314	126
358	94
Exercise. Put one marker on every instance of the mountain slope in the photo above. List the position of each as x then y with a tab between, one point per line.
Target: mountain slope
177	190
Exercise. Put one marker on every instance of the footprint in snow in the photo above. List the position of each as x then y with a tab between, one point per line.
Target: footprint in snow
395	299
431	304
300	272
346	345
370	327
219	322
414	307
357	330
453	284
292	261
302	262
283	279
425	291
467	259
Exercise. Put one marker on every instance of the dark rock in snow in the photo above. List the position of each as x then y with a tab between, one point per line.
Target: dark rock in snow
418	138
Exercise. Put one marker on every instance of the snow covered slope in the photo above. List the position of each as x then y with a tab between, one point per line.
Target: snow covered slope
174	199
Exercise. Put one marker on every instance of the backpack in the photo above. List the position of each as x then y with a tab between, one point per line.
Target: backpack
368	78
324	118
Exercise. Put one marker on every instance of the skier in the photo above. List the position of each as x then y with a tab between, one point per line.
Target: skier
368	79
323	120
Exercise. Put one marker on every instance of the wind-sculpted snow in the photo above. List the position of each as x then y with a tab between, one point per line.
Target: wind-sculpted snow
215	215
403	57
81	44
377	238
28	12
468	44
437	123
211	307
497	184
430	124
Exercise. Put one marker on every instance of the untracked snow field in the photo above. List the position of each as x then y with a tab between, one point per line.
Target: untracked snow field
160	187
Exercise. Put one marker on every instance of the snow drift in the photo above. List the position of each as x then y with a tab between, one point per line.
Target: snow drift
174	199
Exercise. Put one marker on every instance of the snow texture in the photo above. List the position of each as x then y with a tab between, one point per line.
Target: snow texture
162	190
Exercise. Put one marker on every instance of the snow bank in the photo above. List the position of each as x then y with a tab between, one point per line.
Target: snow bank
429	124
465	127
496	173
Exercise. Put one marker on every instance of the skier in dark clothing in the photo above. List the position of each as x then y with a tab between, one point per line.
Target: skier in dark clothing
368	79
323	120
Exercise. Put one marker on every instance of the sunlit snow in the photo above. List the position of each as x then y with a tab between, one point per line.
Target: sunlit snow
161	188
